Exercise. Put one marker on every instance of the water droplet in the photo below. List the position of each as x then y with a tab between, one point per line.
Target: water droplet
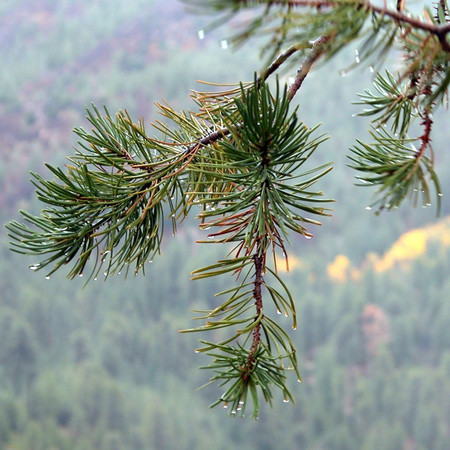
241	402
224	44
198	351
357	60
291	80
298	380
210	237
355	115
233	412
80	275
343	73
105	273
278	312
368	208
95	279
47	277
286	314
34	267
201	34
150	261
294	328
206	228
308	236
440	194
285	400
371	69
225	405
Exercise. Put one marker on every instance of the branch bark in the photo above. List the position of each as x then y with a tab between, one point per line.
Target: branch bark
257	294
316	52
275	65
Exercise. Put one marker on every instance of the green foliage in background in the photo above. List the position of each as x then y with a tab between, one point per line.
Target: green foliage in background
240	158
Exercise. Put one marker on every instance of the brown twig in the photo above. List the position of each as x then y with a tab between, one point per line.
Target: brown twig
257	295
275	65
316	52
427	122
440	31
209	139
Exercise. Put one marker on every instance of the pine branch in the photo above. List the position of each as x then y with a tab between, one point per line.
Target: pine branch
261	157
425	139
397	168
208	139
439	30
317	50
240	158
257	294
278	62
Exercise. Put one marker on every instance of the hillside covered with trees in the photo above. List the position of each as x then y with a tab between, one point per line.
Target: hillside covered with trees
103	366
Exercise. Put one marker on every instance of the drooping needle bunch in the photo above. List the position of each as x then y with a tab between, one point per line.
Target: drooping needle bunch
111	203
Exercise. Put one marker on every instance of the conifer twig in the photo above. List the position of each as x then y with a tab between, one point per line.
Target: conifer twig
440	31
317	50
257	295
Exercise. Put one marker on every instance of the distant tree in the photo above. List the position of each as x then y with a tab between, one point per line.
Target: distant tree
238	162
18	351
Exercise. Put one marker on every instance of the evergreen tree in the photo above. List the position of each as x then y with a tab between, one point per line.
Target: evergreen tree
241	157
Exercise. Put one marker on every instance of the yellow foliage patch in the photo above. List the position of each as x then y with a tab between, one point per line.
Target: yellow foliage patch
292	263
338	270
413	244
408	247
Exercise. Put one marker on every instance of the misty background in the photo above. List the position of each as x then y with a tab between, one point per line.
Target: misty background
103	366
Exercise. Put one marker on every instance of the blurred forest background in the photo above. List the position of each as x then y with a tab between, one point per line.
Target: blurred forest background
103	367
